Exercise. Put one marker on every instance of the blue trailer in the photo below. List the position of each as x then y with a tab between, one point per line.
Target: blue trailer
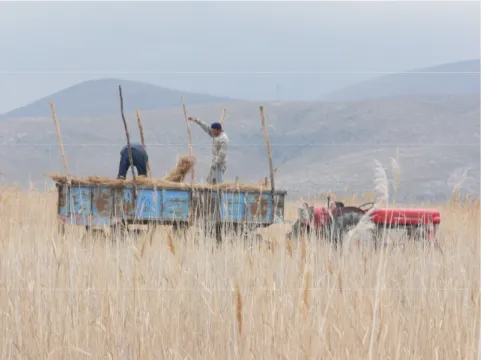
114	206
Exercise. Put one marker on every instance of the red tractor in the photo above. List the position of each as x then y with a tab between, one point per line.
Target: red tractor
336	220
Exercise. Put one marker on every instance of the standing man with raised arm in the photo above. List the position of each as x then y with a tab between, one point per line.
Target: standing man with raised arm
219	150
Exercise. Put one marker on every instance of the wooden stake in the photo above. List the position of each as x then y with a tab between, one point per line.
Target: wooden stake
59	137
128	142
190	144
141	133
267	142
223	116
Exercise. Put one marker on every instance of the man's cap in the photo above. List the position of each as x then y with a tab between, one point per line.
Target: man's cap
216	126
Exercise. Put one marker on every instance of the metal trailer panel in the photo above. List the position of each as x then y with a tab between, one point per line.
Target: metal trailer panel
176	205
103	205
233	207
258	208
148	204
102	209
62	201
205	205
80	205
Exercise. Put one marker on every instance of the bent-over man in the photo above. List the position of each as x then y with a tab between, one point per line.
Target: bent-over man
219	150
139	159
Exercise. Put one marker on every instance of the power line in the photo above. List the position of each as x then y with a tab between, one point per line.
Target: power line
158	72
255	144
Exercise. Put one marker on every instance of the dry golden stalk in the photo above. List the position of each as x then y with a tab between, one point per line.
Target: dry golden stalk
222	119
288	246
303	253
474	295
141	133
306	290
171	243
267	142
151	236
143	246
440	249
59	137
190	144
128	142
329	267
238	308
339	281
381	325
250	261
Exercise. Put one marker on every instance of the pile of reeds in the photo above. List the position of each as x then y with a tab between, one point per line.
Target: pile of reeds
185	164
150	182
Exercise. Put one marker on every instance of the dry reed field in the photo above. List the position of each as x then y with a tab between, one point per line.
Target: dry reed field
161	297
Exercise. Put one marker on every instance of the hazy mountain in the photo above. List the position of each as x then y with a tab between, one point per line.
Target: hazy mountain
316	146
447	79
101	97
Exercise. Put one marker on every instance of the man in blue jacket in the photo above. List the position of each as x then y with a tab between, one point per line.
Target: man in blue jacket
139	158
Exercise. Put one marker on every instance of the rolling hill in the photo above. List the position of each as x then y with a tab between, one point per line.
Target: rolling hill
316	146
457	78
432	118
101	97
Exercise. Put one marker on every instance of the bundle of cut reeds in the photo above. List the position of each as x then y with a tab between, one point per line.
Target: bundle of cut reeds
150	182
185	164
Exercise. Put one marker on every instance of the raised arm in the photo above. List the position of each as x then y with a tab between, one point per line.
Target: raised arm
202	124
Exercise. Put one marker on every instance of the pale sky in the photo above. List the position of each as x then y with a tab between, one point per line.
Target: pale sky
47	46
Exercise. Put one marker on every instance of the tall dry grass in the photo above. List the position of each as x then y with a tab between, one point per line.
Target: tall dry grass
169	298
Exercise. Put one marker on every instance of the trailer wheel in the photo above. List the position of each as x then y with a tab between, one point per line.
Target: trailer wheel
416	234
218	235
93	232
120	232
116	233
60	227
180	229
378	236
89	233
247	233
419	234
251	238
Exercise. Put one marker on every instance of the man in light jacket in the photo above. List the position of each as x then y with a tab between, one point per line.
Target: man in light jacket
219	150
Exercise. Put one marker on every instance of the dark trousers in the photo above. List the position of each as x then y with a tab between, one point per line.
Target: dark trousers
139	158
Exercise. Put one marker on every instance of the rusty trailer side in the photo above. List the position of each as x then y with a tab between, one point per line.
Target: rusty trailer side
108	206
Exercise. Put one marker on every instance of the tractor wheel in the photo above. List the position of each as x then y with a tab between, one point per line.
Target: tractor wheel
298	230
342	224
418	235
334	233
378	236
